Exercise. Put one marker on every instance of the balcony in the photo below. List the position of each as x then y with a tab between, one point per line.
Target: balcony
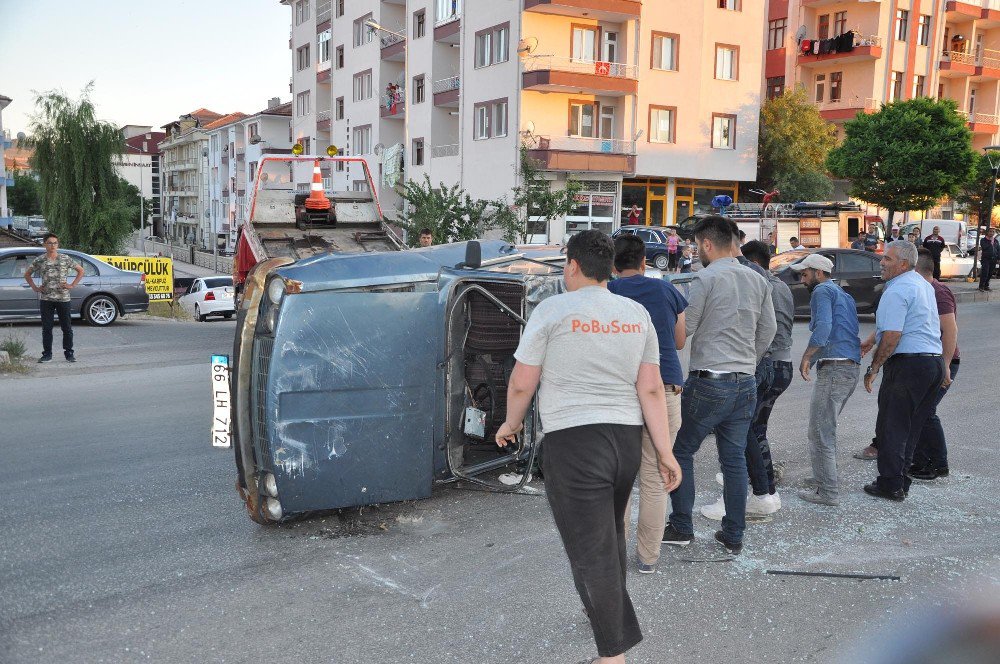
448	25
960	12
324	11
392	105
592	155
988	65
955	64
614	11
446	91
847	109
550	73
439	151
866	48
394	46
983	123
323	75
323	120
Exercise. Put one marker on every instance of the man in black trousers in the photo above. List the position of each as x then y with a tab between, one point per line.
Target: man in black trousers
989	253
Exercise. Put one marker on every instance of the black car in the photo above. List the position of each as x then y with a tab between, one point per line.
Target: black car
857	272
656	242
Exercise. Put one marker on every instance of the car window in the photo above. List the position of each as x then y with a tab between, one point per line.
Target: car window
646	236
89	269
8	267
218	282
786	258
856	263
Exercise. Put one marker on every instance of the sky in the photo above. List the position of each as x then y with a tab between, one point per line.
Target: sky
150	60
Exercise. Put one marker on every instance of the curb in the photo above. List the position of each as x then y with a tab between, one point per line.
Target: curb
976	296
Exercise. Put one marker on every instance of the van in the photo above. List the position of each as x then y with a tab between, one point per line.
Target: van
953	232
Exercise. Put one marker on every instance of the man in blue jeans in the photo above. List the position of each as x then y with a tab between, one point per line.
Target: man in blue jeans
730	321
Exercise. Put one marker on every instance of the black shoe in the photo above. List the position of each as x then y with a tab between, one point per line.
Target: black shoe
70	357
674	537
45	358
927	473
730	547
874	489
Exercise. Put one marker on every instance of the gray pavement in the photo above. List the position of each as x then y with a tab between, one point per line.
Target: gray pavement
125	540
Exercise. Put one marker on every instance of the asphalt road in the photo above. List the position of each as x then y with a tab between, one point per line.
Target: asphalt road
124	539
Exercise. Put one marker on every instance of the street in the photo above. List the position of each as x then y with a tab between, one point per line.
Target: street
125	540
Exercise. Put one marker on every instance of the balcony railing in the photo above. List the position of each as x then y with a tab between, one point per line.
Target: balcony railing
577	66
323	115
388	38
444	150
581	144
960	58
392	103
323	11
984	118
448	11
447	84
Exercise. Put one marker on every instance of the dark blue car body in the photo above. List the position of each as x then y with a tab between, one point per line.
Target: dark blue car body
655	240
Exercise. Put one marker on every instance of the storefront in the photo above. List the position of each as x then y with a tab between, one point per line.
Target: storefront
668	201
596	208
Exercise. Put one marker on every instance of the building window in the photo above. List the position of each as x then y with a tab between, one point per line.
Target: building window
664	54
339	11
338	61
252	130
490	119
448	10
820	87
303	103
323	46
924	30
362	33
302	58
362	139
419	24
839	23
338	106
823	27
775	87
483	49
363	85
897	86
301	12
418	89
902	21
583	119
610	52
500	118
501	43
723	131
732	5
493	45
662	124
584	43
607	128
482	122
418	152
776	33
918	86
727	62
836	78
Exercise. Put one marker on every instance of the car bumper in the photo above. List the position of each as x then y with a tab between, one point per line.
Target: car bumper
217	307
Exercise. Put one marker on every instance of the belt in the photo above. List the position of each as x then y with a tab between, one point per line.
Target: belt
732	375
822	362
916	355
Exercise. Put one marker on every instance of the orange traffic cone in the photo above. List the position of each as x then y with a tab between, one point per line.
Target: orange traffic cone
317	199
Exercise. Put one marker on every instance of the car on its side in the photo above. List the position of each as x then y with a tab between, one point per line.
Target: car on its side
104	293
210	296
656	242
857	272
955	263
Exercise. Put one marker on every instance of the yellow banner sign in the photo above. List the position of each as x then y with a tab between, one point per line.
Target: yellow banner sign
159	273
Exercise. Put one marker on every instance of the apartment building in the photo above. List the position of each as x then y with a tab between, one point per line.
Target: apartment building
6	179
139	165
236	144
184	163
653	105
854	56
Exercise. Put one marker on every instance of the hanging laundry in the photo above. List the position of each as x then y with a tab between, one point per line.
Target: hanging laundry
806	46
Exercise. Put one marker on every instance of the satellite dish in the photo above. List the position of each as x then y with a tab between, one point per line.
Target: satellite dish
530	127
378	149
800	34
527	46
21	136
255	139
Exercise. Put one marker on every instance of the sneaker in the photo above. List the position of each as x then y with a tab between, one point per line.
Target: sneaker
70	357
715	511
644	568
812	496
45	358
874	489
763	505
867	453
720	480
810	483
731	547
673	537
927	474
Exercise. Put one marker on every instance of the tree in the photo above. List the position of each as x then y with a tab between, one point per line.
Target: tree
450	213
907	156
24	197
794	142
975	195
535	200
130	192
82	196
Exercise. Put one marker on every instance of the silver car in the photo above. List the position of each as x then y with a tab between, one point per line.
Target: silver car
104	293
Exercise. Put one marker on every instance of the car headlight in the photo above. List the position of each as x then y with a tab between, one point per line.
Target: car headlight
270	485
271	320
276	290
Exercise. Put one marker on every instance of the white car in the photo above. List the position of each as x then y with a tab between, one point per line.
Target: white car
210	296
954	263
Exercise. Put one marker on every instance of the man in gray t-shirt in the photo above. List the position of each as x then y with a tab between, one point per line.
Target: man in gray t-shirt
597	358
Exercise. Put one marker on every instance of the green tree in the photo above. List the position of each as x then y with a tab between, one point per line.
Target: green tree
24	197
975	194
907	156
450	213
82	196
130	192
534	200
794	142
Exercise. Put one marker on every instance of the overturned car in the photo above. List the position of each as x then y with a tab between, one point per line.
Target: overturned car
366	378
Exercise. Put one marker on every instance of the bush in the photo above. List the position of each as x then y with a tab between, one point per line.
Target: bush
13	344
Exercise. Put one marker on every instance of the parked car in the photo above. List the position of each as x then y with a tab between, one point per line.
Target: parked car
655	239
210	296
857	272
100	298
955	263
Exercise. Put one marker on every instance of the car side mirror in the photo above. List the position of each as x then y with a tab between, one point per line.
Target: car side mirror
473	256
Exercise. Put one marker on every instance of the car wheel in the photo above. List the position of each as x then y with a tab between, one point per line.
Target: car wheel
100	310
661	261
197	314
228	316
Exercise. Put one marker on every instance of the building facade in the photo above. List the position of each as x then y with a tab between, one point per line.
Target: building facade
139	165
6	179
645	104
184	162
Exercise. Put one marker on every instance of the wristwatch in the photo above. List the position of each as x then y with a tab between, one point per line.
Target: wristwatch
869	371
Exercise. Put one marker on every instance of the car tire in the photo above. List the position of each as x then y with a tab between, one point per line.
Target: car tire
228	316
197	314
100	310
661	261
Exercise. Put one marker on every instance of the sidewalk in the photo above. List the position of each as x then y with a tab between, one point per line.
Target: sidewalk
969	291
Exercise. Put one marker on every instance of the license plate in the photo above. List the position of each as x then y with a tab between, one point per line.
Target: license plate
221	430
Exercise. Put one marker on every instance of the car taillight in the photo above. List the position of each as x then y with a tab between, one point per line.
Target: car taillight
142	277
210	295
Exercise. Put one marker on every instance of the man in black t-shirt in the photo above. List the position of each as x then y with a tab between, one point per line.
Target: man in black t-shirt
934	243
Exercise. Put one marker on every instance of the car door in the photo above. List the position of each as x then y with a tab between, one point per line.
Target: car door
189	298
89	285
860	275
17	300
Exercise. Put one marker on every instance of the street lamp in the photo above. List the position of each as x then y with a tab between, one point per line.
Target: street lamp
992	153
372	24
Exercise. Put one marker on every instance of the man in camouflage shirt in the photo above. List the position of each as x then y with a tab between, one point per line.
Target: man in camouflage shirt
54	269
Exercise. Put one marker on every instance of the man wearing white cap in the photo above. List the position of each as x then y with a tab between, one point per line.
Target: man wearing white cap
835	349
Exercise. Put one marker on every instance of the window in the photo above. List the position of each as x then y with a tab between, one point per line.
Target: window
664	55
607	128
339	8
918	86
362	139
490	119
610	52
302	60
448	9
323	46
501	43
482	117
418	89
727	62
582	119
897	85
363	85
419	24
484	49
776	31
301	11
338	109
500	119
924	30
252	130
303	103
732	5
823	27
902	19
839	23
836	78
775	87
418	152
493	45
820	87
661	124
858	263
362	33
584	45
338	61
723	131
